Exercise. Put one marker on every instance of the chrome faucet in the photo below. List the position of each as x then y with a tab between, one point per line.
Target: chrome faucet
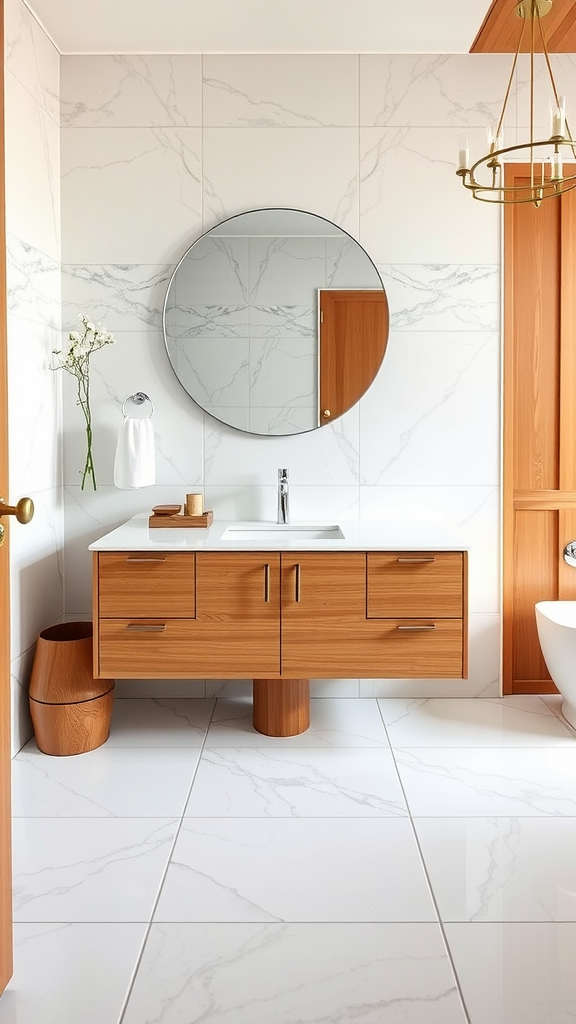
283	494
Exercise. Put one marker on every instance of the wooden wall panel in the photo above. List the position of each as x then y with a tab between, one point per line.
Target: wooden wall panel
535	579
539	479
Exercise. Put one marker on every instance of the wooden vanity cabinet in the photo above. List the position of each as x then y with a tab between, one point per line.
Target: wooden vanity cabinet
271	615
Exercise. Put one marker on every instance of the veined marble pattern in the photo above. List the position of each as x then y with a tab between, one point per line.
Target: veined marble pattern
288	90
295	883
423	423
296	783
156	170
88	869
31	56
443	297
33	405
403	220
33	283
37	596
442	89
253	974
123	90
120	296
227	869
32	171
501	869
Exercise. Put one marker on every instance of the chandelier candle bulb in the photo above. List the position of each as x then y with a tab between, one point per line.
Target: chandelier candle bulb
558	119
463	153
556	167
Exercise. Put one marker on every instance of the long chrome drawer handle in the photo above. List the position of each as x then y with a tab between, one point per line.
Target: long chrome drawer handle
162	559
415	629
139	627
297	583
267	583
431	559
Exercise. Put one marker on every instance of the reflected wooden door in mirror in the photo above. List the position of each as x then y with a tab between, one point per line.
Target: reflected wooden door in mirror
242	321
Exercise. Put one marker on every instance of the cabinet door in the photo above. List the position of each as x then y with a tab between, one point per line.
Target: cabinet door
324	615
237	626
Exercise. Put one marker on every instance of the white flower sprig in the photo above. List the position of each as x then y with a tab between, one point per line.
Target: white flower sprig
77	362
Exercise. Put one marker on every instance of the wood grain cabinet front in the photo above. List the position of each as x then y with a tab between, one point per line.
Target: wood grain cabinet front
280	615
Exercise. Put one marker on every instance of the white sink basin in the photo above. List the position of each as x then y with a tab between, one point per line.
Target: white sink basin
281	531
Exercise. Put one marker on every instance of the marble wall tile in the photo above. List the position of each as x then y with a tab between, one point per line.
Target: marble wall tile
288	90
36	571
483	669
413	208
32	171
328	456
432	414
405	89
311	169
123	297
307	502
33	283
442	297
33	407
144	194
31	56
564	70
21	724
127	90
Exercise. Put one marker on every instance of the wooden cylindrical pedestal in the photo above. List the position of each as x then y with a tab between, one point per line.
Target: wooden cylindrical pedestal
281	707
70	710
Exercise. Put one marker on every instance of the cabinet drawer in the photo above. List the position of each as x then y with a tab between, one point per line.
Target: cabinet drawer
146	648
414	583
147	584
417	648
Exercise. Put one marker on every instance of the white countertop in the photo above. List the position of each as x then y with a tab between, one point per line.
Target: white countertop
135	535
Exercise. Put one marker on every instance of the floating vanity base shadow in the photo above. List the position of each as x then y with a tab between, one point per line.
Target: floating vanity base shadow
281	707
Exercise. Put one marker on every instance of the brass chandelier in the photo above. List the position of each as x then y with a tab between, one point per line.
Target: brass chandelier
485	177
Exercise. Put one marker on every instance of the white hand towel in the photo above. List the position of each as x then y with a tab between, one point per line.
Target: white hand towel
135	462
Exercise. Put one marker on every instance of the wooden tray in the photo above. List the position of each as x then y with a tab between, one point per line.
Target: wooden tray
181	521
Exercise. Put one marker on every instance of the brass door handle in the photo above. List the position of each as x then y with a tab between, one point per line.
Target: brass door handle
23	511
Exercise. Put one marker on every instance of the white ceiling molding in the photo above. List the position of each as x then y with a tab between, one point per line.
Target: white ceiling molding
260	26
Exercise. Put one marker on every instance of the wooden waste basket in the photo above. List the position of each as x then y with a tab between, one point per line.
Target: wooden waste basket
70	710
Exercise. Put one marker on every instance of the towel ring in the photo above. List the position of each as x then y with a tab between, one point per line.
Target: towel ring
139	398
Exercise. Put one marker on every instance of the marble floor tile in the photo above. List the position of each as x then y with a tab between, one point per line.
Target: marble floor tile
296	783
107	782
70	973
89	869
501	869
339	722
160	722
492	781
279	869
518	721
295	974
516	973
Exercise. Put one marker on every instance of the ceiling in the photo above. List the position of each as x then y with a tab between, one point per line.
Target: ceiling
261	26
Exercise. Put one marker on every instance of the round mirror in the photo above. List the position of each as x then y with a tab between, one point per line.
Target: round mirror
275	321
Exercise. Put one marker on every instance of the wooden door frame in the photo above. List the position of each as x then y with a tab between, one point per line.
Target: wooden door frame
5	837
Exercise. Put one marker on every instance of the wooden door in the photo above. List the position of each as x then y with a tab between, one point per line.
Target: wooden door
353	338
324	632
237	627
539	479
5	842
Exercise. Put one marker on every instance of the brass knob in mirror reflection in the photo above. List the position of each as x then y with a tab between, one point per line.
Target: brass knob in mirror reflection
23	511
327	413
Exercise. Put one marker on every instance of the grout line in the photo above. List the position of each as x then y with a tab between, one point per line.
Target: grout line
427	877
162	880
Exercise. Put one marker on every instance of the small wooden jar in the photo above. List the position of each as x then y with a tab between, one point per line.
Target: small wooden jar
70	710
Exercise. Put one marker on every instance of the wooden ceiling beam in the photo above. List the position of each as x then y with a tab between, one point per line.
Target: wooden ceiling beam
501	29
